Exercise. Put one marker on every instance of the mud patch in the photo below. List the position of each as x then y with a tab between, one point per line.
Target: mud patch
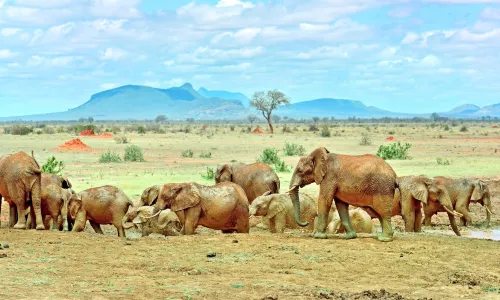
465	279
365	295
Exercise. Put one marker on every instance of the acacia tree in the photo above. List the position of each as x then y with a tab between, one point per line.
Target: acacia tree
268	101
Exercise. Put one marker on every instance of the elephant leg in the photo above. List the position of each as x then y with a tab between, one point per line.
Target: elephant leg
12	215
280	222
60	222
121	231
21	219
243	225
96	227
343	210
191	222
46	222
466	220
272	225
418	220
325	201
383	205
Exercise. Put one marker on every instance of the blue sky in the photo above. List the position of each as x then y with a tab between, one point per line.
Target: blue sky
400	55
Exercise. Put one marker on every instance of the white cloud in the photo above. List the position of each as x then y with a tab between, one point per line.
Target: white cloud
9	31
206	55
237	67
109	86
230	3
462	1
429	61
491	13
314	27
114	54
168	63
175	82
7	54
116	9
400	12
410	38
13	65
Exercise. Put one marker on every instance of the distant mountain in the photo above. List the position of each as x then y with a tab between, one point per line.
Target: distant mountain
225	95
142	102
339	108
178	103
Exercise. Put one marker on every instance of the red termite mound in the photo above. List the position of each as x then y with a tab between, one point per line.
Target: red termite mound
105	135
74	145
258	130
390	138
87	132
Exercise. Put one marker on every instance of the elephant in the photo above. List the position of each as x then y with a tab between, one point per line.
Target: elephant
255	179
168	223
278	209
21	186
364	181
100	205
414	190
56	191
361	222
149	196
462	192
223	206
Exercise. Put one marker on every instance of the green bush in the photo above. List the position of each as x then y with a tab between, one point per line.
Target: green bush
294	149
121	140
464	129
53	166
209	175
281	167
325	131
18	130
394	151
443	161
187	153
269	156
141	130
110	157
206	155
133	153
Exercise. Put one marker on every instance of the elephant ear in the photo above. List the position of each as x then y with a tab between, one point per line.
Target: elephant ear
187	196
65	183
153	193
276	206
225	168
419	191
479	190
75	206
319	158
142	213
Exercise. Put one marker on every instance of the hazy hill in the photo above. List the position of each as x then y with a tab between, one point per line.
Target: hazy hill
178	103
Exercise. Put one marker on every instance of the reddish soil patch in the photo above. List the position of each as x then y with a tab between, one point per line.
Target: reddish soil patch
87	132
105	135
494	126
74	145
203	127
390	138
258	130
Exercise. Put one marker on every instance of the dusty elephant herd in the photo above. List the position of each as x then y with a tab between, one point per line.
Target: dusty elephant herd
243	191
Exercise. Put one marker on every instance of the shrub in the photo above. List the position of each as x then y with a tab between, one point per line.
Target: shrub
443	161
286	129
281	167
206	155
49	130
121	140
394	151
365	140
18	130
141	130
53	166
231	127
209	175
133	153
294	149
464	129
325	131
187	153
110	157
313	127
269	156
446	127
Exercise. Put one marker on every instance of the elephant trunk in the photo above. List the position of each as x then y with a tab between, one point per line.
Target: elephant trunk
453	224
126	222
294	195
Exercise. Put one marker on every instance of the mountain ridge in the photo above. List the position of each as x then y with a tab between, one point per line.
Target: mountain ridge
143	102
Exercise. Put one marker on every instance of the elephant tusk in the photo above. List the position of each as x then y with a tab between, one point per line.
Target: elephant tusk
455	213
488	210
290	190
153	215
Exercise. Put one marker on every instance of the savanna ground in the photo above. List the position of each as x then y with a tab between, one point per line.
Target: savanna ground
434	264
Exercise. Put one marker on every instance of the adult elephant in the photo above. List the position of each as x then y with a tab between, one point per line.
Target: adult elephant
56	191
149	196
20	185
223	206
255	179
462	192
415	190
364	181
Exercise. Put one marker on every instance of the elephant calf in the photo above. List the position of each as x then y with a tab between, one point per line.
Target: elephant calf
278	210
167	224
101	205
361	222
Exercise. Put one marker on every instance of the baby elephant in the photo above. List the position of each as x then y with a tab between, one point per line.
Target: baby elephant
101	205
167	224
278	209
360	219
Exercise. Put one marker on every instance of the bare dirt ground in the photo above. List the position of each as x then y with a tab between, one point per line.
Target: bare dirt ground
434	264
